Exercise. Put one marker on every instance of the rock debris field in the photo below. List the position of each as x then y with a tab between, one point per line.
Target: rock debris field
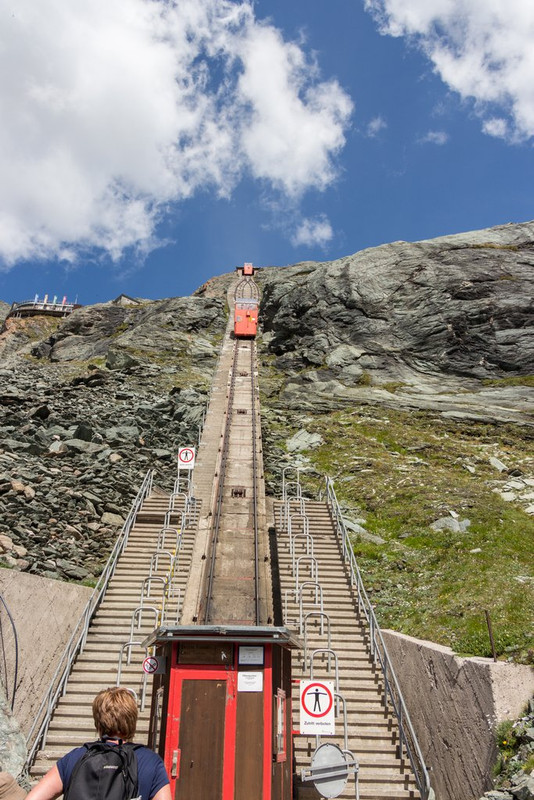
78	434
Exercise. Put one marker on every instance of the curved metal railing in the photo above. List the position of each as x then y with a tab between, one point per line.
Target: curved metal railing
10	691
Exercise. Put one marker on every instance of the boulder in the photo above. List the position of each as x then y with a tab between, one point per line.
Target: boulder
523	788
114	520
303	440
495	462
58	448
81	446
120	360
450	524
343	355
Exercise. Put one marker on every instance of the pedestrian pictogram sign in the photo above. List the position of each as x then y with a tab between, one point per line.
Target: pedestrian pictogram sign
154	665
317	713
186	457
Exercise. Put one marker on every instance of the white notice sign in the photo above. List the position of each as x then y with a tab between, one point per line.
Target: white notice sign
250	681
186	457
317	713
251	655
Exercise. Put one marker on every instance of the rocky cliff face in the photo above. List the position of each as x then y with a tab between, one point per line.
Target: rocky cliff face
88	405
431	316
406	373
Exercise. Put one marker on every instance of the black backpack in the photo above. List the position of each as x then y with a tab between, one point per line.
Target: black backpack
105	772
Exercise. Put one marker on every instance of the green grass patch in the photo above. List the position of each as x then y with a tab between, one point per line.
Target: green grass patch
402	471
517	380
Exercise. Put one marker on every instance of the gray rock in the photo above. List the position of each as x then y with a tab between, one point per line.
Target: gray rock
446	524
120	359
121	433
351	374
343	355
498	464
200	348
80	446
450	524
40	412
58	447
357	529
108	518
354	527
303	440
523	788
12	742
163	455
84	432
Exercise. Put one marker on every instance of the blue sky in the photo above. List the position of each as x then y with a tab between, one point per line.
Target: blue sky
148	147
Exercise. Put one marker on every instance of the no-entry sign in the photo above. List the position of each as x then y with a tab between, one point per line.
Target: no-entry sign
154	665
186	457
317	713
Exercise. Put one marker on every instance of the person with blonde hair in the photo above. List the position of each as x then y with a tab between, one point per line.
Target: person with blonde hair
115	717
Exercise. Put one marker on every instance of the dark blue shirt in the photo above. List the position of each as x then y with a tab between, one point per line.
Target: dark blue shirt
151	772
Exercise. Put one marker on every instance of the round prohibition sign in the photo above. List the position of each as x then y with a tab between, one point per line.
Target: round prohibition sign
186	455
314	693
150	665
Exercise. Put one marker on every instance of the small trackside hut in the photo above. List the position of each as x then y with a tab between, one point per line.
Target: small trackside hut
221	711
246	269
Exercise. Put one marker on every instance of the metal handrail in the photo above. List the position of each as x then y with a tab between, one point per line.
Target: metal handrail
129	646
37	735
319	601
322	615
379	652
16	647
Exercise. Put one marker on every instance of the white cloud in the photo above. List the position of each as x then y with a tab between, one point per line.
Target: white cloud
376	125
481	49
112	111
496	126
312	232
434	137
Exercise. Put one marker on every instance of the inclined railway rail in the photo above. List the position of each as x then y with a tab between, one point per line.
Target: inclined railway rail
237	504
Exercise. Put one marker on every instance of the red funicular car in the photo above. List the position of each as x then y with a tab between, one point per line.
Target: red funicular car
246	318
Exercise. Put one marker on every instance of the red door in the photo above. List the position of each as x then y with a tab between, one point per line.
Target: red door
200	742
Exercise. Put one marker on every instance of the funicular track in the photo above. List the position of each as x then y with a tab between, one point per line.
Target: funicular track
235	530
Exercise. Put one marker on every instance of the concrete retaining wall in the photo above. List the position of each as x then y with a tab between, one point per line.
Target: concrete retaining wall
454	704
45	613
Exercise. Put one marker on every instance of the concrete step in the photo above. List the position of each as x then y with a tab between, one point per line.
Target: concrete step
373	733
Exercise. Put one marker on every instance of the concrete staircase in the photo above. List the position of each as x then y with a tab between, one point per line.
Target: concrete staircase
373	734
96	667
